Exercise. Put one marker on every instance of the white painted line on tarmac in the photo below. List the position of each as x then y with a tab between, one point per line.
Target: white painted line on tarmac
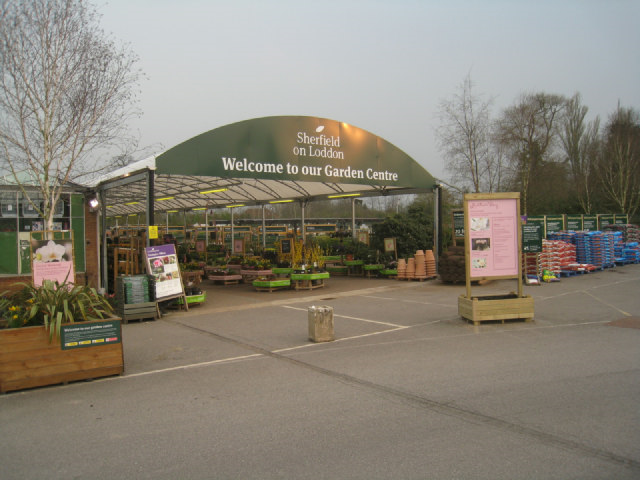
410	301
307	345
610	305
352	318
193	365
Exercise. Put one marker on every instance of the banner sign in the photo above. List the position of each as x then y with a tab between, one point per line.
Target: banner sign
574	223
532	237
295	148
553	224
605	220
458	224
162	263
493	228
590	223
389	245
621	219
90	334
52	260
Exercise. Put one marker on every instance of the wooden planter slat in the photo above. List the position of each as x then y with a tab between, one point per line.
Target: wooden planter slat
28	360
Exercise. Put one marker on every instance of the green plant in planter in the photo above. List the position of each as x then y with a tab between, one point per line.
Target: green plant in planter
53	304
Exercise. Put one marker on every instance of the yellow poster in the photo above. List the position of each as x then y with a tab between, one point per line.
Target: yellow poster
153	231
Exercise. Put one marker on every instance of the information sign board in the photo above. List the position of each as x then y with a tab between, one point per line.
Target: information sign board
532	237
458	223
604	220
90	334
493	227
553	224
621	219
590	223
162	263
574	223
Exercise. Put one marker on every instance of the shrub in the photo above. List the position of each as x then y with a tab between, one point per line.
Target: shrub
53	304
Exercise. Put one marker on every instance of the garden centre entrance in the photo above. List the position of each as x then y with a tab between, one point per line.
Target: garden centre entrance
259	162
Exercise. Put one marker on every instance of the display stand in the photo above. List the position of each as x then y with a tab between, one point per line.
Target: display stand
493	244
372	270
354	267
308	281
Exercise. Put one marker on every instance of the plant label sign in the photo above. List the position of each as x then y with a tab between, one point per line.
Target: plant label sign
90	334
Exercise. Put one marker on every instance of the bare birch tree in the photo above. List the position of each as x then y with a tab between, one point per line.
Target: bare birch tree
619	168
581	144
66	92
464	138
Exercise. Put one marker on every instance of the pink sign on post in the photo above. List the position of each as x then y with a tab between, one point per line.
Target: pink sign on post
52	260
493	237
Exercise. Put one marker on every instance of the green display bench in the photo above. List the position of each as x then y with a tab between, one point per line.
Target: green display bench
271	285
193	299
354	267
389	272
372	270
332	260
282	272
337	269
308	281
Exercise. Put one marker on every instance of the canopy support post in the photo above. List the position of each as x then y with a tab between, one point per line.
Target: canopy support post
303	204
232	232
150	203
264	229
353	218
104	275
437	223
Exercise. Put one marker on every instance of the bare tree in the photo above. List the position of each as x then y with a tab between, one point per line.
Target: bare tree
620	166
464	138
527	131
581	143
66	91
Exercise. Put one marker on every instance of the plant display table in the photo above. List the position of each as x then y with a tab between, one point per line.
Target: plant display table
192	277
193	299
308	281
372	270
250	275
354	267
271	285
337	269
389	272
332	260
282	272
226	279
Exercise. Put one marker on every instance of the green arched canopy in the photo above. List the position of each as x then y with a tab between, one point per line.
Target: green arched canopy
264	160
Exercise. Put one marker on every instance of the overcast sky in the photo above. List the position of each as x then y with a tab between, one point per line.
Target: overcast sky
381	65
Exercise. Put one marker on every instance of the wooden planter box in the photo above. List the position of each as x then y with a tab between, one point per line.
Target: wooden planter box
495	307
28	360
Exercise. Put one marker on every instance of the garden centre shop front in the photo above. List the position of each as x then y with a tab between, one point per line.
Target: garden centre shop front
260	162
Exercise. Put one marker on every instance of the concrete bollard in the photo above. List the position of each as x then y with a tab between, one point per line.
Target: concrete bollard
321	324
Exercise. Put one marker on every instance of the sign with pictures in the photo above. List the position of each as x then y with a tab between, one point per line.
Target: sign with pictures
493	229
162	263
52	260
389	245
238	246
